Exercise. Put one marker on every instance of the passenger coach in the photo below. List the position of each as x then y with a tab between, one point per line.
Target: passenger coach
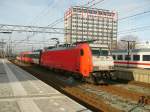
137	58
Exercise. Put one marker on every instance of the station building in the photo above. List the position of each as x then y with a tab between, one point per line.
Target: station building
83	23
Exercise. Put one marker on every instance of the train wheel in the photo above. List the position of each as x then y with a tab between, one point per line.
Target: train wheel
52	69
111	75
71	80
77	77
94	79
103	76
108	75
83	80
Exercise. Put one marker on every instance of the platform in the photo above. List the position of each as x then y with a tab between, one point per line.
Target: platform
22	92
141	75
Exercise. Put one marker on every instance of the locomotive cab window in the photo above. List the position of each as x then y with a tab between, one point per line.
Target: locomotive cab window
146	57
99	52
81	52
136	57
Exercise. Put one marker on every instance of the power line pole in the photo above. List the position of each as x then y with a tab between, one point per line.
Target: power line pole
2	44
128	50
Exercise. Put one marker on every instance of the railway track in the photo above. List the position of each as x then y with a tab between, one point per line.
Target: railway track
132	90
110	98
117	101
119	97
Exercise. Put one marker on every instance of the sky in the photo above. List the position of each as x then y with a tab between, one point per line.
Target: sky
45	12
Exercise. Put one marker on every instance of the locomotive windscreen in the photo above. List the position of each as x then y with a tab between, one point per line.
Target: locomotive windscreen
100	52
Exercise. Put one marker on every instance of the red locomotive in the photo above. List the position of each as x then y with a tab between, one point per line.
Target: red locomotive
75	59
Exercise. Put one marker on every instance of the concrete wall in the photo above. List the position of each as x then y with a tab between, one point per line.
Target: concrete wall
133	74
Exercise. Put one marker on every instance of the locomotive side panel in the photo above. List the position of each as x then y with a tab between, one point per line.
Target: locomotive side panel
61	59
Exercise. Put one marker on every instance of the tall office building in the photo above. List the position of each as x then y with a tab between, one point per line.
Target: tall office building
83	23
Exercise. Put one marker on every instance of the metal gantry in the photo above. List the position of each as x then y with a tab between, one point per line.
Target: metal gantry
20	28
9	29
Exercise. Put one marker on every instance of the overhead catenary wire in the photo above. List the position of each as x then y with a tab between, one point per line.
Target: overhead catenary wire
40	14
56	28
136	29
89	2
37	17
145	12
62	19
96	3
56	22
138	14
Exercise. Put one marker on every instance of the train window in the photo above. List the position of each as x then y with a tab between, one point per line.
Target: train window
29	56
136	57
146	57
81	52
114	57
37	56
26	55
127	57
120	57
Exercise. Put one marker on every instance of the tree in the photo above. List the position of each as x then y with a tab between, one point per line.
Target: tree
124	45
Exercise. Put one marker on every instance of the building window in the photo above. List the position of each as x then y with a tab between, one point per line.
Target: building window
74	10
94	12
127	57
120	57
136	57
85	11
100	12
79	10
146	57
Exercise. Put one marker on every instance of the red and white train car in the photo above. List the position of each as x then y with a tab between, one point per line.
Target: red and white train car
25	57
137	58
